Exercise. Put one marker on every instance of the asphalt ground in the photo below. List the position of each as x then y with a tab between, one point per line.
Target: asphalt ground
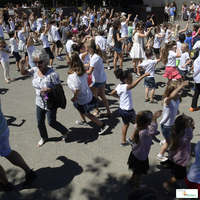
87	166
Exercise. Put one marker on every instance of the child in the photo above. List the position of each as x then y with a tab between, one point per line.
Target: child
170	101
4	54
123	91
70	42
168	32
46	46
171	52
137	51
11	21
157	38
64	29
29	49
21	37
102	42
184	61
14	48
138	159
180	150
83	100
56	38
149	81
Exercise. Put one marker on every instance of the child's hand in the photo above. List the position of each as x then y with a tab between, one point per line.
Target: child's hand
185	83
157	114
146	74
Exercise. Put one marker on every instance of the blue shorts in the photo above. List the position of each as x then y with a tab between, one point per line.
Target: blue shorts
5	149
17	56
130	39
127	115
149	82
166	131
98	85
118	50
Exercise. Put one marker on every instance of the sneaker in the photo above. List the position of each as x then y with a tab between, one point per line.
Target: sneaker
6	188
130	141
193	88
109	67
30	178
54	68
194	109
137	75
124	144
59	58
18	70
168	190
104	127
82	123
161	158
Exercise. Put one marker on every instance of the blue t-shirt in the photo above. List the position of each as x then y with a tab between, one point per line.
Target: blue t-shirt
172	10
92	18
188	40
148	24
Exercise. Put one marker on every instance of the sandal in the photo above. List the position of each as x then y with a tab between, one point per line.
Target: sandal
97	113
106	115
146	100
152	101
41	142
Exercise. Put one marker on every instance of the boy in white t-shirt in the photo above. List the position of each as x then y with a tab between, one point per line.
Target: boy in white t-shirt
149	82
14	48
56	38
11	21
124	32
85	19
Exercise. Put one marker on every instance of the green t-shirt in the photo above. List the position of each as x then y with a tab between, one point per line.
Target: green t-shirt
130	31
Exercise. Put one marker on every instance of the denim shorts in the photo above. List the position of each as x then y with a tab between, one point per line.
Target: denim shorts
118	50
166	131
5	149
98	85
127	115
149	82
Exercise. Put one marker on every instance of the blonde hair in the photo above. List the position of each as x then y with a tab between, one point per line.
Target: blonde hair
186	46
168	47
169	89
96	48
176	30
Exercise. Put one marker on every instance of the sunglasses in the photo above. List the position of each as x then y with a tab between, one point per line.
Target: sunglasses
38	62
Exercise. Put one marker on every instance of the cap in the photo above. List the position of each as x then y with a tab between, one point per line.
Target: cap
188	32
123	14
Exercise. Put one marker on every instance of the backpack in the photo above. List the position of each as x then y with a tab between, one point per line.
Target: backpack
194	53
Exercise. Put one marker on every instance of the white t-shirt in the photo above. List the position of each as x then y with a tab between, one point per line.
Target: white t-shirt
178	44
102	42
170	112
86	60
98	74
166	36
12	25
149	66
69	45
44	40
85	20
126	102
4	55
196	74
171	59
80	83
21	36
134	25
39	24
156	44
110	33
55	34
183	59
30	51
196	45
13	45
124	29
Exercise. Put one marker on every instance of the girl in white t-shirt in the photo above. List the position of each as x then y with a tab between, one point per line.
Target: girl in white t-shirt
123	92
83	99
21	37
70	42
4	54
171	52
157	37
29	49
184	61
168	32
170	100
98	74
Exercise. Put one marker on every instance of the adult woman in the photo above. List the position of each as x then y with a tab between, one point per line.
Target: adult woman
166	12
118	44
184	11
43	79
83	100
98	74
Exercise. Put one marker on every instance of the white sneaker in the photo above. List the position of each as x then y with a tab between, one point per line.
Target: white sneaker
82	123
109	67
161	158
103	129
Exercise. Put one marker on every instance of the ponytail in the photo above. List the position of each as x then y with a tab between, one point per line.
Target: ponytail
98	51
168	46
96	48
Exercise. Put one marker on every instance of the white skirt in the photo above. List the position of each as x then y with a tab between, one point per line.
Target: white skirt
50	38
110	41
21	45
137	51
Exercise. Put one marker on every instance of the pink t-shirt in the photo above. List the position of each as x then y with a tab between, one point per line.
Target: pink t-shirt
193	33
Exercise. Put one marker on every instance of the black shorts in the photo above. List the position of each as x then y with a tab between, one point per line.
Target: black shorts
49	52
92	24
26	54
59	44
17	56
156	51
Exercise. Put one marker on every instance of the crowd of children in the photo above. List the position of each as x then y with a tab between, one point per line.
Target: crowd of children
87	38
